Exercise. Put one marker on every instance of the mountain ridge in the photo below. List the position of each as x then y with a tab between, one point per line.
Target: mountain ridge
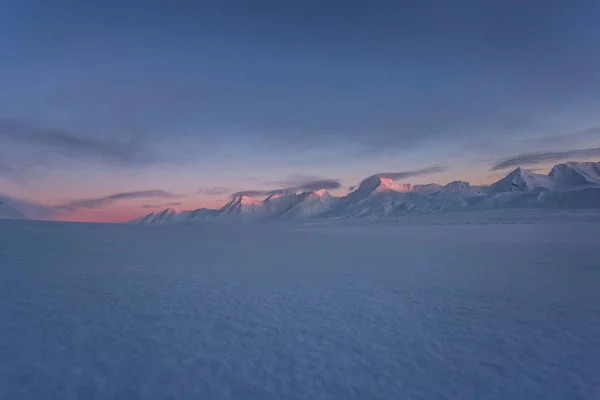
567	185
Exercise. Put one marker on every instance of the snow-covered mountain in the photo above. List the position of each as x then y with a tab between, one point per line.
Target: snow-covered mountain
279	205
241	206
521	180
171	215
160	217
569	185
462	187
310	204
379	197
7	212
574	174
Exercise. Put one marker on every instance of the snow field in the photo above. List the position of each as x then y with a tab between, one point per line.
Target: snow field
300	311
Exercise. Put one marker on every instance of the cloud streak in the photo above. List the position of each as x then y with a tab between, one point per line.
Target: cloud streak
129	152
409	174
254	193
328	184
305	182
539	158
102	202
172	204
214	191
294	180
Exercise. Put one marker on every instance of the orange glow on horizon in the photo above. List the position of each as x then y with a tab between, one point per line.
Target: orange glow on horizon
119	213
100	215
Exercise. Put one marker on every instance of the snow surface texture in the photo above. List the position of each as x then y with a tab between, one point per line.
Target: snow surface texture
573	185
477	306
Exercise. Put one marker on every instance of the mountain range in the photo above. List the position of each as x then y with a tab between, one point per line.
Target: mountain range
568	185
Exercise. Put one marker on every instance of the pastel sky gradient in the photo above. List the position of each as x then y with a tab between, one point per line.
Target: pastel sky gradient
146	104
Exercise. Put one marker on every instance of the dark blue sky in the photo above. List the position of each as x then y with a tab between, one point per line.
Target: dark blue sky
114	96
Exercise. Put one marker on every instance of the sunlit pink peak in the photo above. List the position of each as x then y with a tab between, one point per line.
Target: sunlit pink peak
321	193
388	185
241	198
247	200
379	184
369	184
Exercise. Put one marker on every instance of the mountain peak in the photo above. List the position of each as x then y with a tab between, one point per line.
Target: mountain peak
239	204
382	184
521	171
386	184
457	187
370	183
245	199
521	180
320	195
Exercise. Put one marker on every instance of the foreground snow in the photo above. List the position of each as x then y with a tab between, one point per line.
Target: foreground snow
468	307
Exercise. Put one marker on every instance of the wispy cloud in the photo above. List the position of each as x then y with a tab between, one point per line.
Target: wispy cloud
328	184
254	193
172	204
214	191
293	180
539	158
305	182
102	202
71	145
584	135
409	174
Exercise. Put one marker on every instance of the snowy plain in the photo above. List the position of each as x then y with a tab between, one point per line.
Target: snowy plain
474	306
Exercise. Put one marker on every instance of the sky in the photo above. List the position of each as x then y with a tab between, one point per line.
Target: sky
112	109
